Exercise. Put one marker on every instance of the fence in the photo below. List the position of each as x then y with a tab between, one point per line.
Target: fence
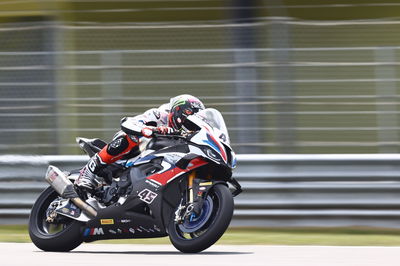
279	190
299	86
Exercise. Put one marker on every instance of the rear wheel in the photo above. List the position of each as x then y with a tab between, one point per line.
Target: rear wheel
62	235
198	234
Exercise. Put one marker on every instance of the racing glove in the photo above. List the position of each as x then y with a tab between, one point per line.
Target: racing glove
164	130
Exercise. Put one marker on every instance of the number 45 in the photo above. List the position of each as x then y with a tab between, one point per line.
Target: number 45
147	195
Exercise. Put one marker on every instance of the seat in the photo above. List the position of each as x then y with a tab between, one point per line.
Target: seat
91	146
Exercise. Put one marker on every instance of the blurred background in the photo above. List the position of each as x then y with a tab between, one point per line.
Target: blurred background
294	76
315	81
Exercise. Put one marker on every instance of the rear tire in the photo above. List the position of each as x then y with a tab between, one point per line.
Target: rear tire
221	202
67	239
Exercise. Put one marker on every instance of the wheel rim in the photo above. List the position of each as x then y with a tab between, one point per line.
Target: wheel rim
196	223
192	229
46	228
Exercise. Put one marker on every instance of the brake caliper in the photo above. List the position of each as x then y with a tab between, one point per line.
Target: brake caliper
179	213
191	210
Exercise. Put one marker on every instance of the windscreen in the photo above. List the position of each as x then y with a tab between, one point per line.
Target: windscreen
214	118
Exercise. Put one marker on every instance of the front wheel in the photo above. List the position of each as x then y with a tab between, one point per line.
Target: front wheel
198	234
64	234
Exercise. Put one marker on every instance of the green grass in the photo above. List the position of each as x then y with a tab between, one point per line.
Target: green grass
14	233
261	236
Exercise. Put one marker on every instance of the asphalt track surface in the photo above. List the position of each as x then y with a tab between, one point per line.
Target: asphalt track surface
12	254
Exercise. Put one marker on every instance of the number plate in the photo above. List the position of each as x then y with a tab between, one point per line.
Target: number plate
147	196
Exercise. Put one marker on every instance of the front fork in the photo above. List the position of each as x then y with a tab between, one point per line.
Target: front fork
191	178
191	207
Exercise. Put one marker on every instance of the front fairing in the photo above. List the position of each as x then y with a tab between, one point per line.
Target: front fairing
212	137
206	136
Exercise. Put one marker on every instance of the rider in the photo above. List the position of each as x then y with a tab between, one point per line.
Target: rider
163	120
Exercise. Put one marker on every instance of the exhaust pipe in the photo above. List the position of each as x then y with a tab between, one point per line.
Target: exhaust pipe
64	187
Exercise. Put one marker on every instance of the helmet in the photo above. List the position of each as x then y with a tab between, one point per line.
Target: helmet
181	107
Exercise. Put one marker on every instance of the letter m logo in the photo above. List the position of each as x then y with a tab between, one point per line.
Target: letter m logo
98	231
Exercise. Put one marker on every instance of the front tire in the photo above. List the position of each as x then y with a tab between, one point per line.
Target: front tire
218	208
67	238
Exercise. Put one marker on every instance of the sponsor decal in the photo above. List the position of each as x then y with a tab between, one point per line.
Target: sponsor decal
93	231
92	165
144	229
116	143
106	221
147	196
157	114
134	138
52	175
196	104
223	137
156	228
69	209
151	183
125	221
119	231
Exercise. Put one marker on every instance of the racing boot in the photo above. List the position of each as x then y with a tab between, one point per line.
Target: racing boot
88	179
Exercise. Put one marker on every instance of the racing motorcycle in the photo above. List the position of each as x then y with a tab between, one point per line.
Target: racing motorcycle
176	187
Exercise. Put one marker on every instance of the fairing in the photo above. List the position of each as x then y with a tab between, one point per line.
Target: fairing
212	137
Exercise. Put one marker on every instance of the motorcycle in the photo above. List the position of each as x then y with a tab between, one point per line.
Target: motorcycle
176	187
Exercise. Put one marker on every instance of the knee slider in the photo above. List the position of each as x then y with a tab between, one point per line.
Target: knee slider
117	146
